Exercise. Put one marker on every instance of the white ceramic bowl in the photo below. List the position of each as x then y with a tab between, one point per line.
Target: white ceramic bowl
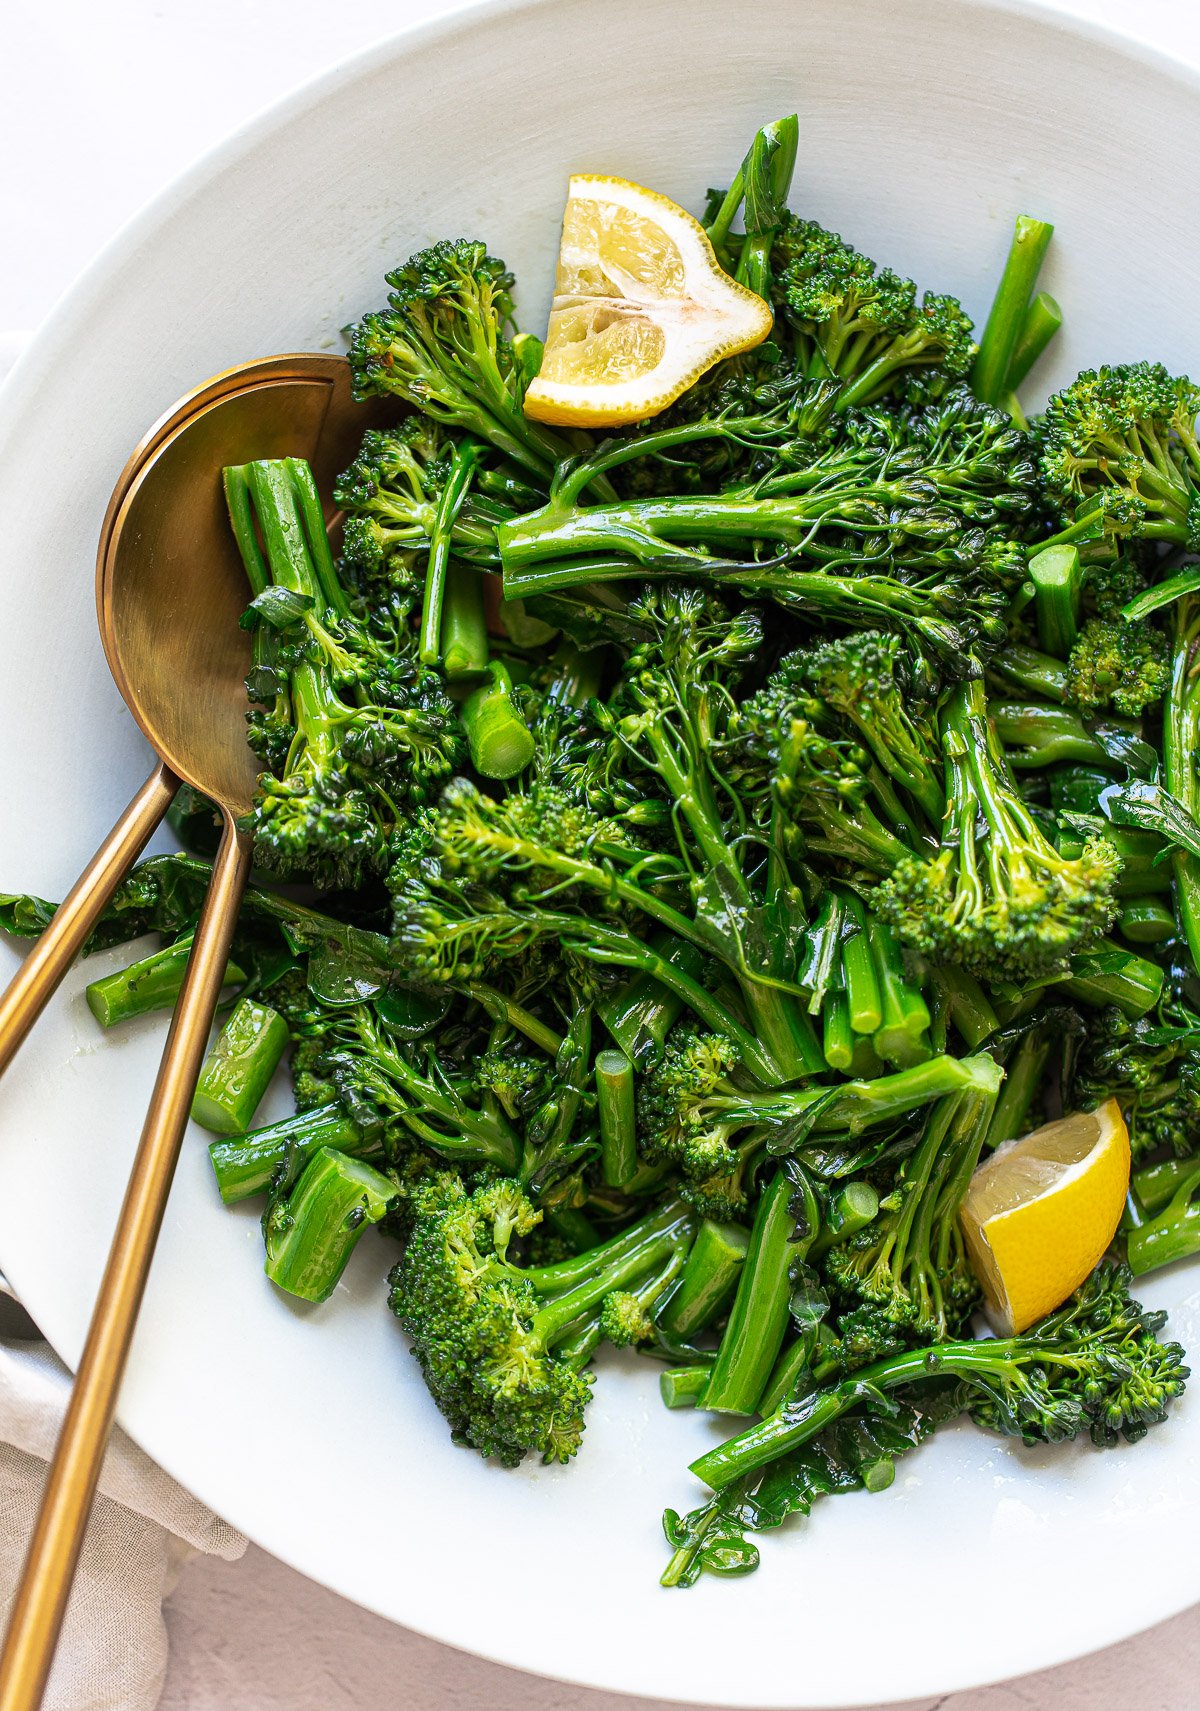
924	128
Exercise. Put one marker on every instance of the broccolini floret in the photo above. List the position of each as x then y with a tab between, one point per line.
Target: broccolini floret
495	1340
998	898
1117	664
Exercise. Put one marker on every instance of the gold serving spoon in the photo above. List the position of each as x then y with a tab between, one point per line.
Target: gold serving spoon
170	589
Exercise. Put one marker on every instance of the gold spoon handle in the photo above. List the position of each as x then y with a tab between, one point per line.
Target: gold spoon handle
27	993
41	1598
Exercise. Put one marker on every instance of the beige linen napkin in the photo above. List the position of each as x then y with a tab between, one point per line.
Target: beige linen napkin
144	1527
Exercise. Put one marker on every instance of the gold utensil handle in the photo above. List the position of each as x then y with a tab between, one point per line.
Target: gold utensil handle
27	993
41	1598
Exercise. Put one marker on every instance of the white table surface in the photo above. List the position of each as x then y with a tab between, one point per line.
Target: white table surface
104	102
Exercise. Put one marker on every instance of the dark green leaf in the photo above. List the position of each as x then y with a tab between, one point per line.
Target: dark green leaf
278	607
24	916
1138	757
1150	806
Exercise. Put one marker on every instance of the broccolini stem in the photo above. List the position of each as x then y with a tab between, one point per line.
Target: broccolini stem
1145	921
758	1318
1173	1233
335	1200
245	1164
1107	974
966	1004
795	1423
860	600
838	1036
312	517
851	1209
614	1265
767	170
615	1111
574	1227
640	1014
240	1063
1041	321
1156	1184
858	971
500	741
241	517
1036	673
1037	736
449	505
721	224
709	1278
610	946
684	1386
501	1008
1022	1081
783	1030
464	623
989	377
565	1276
152	983
549	1131
486	1136
850	1107
1181	745
1057	579
902	1037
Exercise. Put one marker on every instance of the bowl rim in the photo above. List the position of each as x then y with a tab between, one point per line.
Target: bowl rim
68	316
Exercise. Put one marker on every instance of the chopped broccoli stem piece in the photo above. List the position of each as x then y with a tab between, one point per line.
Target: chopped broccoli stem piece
640	1014
1172	1233
244	1165
239	1066
684	1386
902	1036
850	1210
1156	1184
618	1125
311	1236
758	1318
501	742
1057	578
965	1004
464	626
863	997
991	375
1041	322
838	1036
1109	975
153	982
1146	921
436	637
1036	736
708	1280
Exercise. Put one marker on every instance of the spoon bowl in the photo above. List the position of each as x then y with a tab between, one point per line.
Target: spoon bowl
170	587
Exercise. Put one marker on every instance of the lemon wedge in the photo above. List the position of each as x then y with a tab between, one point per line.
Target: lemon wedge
641	308
1038	1214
